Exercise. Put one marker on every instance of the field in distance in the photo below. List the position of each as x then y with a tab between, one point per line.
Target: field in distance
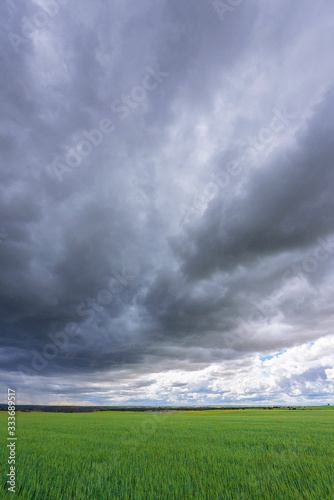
210	454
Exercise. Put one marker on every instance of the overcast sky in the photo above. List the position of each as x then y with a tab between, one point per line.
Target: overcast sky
167	208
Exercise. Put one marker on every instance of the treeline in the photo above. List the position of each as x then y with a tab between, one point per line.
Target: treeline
80	409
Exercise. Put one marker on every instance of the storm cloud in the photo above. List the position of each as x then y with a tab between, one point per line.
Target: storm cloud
166	208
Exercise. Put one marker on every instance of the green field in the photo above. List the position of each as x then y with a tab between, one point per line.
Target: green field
241	454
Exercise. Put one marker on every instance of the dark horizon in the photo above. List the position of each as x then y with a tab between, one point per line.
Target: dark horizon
175	407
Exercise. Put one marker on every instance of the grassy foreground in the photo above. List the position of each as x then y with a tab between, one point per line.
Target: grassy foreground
244	454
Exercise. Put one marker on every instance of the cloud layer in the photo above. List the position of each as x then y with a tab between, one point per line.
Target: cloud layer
166	222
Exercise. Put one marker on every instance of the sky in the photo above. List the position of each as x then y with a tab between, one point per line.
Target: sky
166	202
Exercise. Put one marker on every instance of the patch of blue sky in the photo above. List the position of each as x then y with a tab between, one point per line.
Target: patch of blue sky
271	356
